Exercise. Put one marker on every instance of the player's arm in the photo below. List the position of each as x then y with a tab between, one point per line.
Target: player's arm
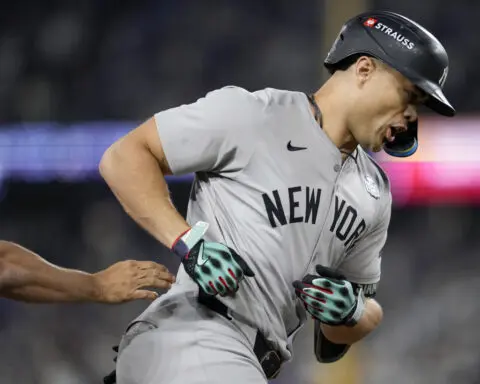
341	301
370	319
26	276
342	313
205	136
134	168
362	268
332	342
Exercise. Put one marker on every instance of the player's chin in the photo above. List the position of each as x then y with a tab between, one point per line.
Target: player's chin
373	147
379	145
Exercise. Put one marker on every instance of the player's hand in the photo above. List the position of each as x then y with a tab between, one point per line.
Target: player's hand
330	298
216	268
126	280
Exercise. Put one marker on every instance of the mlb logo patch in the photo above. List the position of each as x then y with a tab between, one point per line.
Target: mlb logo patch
372	187
370	22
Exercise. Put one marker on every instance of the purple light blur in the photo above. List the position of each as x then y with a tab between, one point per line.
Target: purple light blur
50	151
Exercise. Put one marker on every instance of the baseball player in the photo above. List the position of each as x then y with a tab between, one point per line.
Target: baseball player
288	213
26	276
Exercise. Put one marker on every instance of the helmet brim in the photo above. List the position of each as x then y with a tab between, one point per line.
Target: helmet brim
436	100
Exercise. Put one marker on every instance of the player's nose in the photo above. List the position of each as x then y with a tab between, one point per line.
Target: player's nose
411	113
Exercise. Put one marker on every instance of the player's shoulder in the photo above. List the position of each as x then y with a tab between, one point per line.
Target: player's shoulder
263	97
374	174
282	97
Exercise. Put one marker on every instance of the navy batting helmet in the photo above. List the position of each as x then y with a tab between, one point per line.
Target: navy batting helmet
405	46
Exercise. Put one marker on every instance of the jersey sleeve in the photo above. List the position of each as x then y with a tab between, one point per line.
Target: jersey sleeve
362	264
213	134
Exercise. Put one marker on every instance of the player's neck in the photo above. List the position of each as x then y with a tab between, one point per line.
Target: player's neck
334	122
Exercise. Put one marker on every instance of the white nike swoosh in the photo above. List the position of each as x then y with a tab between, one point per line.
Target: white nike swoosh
201	260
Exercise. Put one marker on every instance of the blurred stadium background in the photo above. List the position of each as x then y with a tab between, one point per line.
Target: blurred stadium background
75	75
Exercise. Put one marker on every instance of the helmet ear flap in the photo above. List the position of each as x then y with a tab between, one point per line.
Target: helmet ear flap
406	143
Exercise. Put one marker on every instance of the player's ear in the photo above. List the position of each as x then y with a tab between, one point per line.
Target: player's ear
365	66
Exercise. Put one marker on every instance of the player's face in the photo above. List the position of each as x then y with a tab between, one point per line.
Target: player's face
387	101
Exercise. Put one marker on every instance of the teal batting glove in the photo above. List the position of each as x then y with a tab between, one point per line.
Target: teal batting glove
330	298
216	268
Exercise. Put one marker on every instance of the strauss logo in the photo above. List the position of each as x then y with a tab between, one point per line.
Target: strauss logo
373	23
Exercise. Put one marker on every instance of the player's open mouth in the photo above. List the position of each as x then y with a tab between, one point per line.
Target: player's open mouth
392	131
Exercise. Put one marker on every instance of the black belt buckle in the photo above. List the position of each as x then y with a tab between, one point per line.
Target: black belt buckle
267	356
111	378
271	364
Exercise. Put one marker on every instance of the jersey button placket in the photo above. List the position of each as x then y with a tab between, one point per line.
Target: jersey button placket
337	169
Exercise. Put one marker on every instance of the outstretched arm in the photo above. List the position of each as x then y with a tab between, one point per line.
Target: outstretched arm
26	276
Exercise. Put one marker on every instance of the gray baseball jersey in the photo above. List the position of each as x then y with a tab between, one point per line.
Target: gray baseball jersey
273	186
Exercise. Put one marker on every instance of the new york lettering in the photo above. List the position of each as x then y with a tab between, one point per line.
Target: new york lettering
346	224
302	206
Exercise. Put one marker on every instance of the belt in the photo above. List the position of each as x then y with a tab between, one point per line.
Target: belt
268	357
